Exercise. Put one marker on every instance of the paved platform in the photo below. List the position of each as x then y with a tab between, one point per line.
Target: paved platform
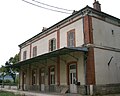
30	93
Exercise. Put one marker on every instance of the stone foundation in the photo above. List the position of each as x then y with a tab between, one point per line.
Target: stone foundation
106	89
58	89
81	89
55	88
33	87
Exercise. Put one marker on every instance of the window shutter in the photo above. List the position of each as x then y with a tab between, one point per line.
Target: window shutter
49	45
54	44
72	39
68	39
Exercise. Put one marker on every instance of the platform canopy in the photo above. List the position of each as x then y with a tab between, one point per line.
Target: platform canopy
56	53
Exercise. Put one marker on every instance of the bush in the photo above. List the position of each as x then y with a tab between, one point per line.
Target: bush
7	81
0	81
2	93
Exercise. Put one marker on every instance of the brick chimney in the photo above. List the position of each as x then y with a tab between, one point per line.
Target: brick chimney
97	5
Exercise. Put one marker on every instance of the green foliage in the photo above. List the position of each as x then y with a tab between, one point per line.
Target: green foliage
2	69
0	81
17	80
10	71
6	94
3	93
7	81
14	60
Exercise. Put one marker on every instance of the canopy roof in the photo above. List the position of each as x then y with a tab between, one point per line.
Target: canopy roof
59	52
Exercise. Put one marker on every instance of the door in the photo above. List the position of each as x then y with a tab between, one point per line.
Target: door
42	80
23	81
72	78
52	78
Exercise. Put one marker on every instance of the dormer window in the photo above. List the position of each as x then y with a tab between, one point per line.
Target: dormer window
52	44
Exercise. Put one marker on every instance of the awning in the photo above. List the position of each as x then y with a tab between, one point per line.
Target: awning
59	52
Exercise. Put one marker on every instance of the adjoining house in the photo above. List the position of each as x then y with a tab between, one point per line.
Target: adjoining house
80	54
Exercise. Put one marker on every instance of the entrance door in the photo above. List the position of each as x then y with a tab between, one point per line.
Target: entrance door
72	78
42	80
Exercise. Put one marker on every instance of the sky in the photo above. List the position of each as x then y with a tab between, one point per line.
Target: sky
19	21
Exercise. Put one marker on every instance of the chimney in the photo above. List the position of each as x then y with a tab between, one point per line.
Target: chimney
74	12
44	28
97	5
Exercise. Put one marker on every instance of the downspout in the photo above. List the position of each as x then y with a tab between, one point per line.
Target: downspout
85	62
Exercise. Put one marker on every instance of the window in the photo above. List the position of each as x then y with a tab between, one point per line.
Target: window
71	38
112	32
72	66
52	75
34	77
52	44
24	55
34	51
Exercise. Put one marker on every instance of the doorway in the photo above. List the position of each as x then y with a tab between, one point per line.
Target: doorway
42	79
23	81
72	78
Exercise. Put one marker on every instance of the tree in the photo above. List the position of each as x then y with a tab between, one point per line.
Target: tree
12	71
14	60
3	74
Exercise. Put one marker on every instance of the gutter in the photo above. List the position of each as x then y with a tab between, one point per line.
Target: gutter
102	47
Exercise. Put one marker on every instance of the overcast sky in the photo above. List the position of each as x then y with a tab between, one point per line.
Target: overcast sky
20	21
